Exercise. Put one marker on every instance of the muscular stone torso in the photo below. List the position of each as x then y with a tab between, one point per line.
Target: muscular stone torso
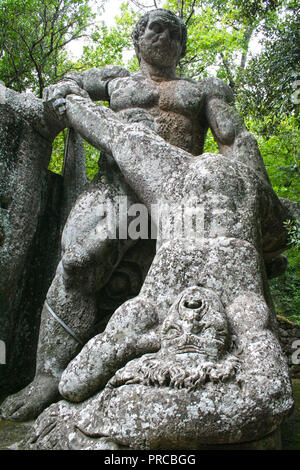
175	105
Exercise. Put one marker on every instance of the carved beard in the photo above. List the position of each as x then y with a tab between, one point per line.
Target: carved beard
195	347
159	54
184	372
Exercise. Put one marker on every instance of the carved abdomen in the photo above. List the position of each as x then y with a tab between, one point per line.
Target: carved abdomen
180	130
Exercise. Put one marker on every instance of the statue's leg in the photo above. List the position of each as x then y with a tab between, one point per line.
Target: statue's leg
56	348
89	258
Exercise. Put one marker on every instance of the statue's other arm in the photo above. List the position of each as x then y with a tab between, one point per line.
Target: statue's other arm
92	83
95	81
233	139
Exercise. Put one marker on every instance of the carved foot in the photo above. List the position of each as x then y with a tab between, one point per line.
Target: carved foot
31	401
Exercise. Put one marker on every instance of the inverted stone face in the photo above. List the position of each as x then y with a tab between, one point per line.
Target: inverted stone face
180	396
218	374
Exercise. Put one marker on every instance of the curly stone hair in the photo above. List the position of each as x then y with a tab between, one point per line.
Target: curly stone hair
143	21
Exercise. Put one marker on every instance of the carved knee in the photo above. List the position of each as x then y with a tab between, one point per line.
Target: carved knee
88	267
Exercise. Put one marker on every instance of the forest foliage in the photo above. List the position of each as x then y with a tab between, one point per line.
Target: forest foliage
253	45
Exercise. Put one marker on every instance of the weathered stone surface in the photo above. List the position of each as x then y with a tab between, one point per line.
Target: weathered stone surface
24	157
33	210
187	378
85	314
289	334
194	358
293	208
74	175
200	388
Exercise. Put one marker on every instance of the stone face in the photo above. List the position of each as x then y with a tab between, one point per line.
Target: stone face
189	393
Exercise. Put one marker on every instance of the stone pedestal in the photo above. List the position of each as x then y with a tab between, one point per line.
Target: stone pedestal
270	442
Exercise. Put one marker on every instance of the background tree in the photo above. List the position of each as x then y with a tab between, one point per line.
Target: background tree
33	37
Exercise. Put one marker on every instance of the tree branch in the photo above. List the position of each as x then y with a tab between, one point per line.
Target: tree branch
227	68
191	13
247	36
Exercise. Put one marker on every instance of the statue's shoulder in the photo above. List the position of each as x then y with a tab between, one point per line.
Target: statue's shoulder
126	80
108	73
214	87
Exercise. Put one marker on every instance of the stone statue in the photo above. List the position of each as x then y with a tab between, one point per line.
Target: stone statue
194	391
33	206
204	303
198	345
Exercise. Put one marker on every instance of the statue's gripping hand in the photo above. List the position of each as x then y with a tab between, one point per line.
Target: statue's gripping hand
55	95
